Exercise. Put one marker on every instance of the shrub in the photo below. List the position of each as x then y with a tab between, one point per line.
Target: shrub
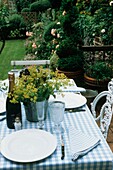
100	70
71	63
23	4
47	32
40	6
15	21
65	37
4	21
54	62
17	26
36	45
25	10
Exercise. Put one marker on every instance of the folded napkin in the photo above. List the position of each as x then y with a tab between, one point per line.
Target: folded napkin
73	89
81	143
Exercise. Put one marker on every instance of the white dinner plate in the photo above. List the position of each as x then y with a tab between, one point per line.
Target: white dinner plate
28	145
71	100
2	104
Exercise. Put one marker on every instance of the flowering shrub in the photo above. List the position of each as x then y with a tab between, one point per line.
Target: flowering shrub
36	85
100	25
64	36
36	46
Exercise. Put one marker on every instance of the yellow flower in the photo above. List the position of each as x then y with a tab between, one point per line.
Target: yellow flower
39	84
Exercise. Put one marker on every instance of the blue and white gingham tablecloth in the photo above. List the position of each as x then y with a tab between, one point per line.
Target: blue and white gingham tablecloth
100	158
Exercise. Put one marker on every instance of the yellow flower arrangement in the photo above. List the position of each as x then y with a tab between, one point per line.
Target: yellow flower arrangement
37	85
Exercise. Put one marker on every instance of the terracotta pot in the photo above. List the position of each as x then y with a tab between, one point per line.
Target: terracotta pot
77	76
72	74
96	84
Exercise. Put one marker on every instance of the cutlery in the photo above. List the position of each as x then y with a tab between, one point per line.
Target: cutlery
62	148
75	110
2	119
2	114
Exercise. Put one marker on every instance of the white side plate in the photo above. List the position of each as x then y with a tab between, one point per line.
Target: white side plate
28	145
70	99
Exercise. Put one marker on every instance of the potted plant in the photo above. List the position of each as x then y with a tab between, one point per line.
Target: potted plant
98	60
98	74
34	86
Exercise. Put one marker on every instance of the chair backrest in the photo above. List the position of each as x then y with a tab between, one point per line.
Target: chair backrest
25	63
106	111
29	62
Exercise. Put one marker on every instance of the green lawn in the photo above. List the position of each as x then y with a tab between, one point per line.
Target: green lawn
13	50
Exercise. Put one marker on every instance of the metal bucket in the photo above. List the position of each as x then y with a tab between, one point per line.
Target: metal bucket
31	111
90	95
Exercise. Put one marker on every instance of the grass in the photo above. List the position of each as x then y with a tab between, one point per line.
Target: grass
13	50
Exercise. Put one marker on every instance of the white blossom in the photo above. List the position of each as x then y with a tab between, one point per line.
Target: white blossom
111	3
64	12
53	31
58	35
103	31
58	23
57	46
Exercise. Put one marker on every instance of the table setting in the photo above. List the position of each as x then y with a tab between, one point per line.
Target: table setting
56	149
68	138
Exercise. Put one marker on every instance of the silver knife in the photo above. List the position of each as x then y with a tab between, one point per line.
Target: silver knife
75	110
62	148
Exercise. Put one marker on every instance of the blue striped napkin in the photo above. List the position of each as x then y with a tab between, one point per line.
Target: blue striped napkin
72	89
81	143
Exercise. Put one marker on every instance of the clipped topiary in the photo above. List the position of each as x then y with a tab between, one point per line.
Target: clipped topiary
25	10
40	6
15	21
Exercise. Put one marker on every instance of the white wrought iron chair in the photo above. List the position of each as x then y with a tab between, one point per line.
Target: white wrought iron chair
25	63
106	110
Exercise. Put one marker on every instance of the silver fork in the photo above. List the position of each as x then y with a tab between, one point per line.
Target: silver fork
79	109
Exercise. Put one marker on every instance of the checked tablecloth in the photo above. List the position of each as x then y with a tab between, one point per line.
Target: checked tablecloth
100	158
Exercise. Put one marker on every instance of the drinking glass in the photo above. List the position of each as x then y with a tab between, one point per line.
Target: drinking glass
56	110
40	106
